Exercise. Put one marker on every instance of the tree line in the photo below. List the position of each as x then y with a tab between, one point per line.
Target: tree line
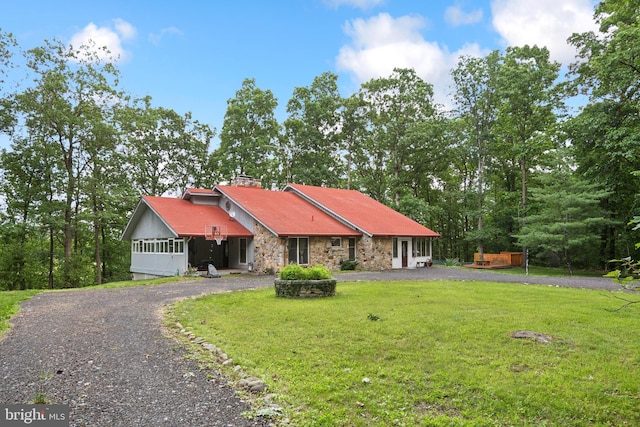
507	168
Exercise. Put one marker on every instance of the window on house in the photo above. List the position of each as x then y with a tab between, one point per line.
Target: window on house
160	246
299	250
420	246
336	242
352	248
394	244
243	251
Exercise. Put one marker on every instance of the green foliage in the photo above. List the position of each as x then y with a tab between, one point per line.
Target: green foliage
310	139
23	258
452	262
468	175
348	264
318	272
627	274
292	272
568	219
167	152
399	112
297	272
373	317
249	136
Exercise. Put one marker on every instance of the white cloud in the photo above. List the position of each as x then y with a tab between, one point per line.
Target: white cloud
455	16
111	37
124	29
544	23
156	38
360	4
382	43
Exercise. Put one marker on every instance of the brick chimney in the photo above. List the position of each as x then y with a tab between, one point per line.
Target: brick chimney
246	181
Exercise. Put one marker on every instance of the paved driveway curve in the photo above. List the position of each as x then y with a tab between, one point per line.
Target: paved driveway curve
103	351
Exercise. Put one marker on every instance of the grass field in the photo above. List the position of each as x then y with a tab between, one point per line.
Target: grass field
433	353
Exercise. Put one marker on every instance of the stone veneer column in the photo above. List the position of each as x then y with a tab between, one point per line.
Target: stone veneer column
374	253
269	250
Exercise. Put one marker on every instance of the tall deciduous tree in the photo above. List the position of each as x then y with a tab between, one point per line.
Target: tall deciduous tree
477	107
28	216
249	136
606	131
609	65
395	106
311	146
7	45
528	104
64	109
166	151
352	135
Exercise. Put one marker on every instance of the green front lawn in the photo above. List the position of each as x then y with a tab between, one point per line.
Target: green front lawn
433	353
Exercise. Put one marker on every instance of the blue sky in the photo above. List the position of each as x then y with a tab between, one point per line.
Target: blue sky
194	55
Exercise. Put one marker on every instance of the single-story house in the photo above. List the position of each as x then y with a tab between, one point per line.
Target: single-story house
243	226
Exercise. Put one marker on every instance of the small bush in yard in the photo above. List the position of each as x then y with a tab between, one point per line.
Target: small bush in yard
297	272
291	272
348	264
318	272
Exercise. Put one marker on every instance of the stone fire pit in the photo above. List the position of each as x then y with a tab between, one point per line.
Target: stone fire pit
305	288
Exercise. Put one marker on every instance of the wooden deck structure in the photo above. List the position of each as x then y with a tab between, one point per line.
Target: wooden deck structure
501	260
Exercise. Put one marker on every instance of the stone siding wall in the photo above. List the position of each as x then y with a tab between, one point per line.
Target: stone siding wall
269	250
321	252
371	253
374	253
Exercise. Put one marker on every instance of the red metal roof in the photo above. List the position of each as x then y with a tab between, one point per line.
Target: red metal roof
369	215
187	219
285	213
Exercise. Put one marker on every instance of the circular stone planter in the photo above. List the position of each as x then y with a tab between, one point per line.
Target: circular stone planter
305	288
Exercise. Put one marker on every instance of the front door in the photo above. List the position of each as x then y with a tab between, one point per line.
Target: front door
405	253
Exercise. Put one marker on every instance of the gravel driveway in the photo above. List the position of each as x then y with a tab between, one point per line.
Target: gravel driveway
102	351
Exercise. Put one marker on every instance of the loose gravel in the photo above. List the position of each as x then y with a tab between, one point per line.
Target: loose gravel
104	354
103	351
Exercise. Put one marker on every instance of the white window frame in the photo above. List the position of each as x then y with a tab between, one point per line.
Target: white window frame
350	248
420	247
297	252
157	246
